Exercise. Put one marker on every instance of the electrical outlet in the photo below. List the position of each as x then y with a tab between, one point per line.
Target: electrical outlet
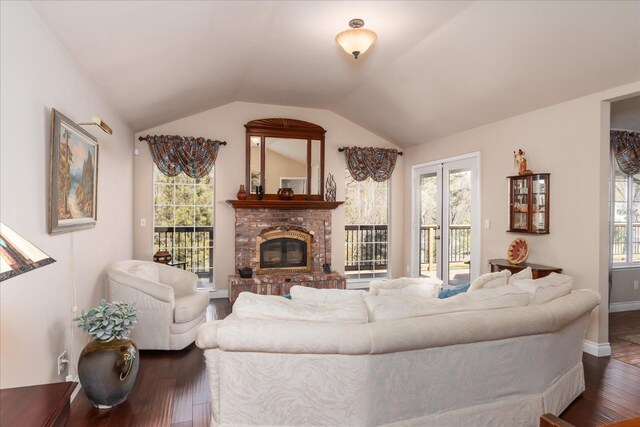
143	222
62	362
636	284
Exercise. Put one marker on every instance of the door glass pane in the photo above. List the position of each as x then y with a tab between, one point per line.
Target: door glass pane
459	226
428	225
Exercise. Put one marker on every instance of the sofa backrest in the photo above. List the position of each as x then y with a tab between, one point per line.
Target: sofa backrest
300	336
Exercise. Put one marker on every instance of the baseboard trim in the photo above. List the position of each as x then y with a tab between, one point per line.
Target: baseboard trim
617	307
217	294
595	349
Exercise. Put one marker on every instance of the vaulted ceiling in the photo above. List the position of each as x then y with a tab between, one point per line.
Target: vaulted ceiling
437	68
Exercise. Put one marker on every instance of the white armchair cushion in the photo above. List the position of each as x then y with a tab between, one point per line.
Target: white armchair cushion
546	288
147	271
490	280
190	306
427	287
309	295
254	306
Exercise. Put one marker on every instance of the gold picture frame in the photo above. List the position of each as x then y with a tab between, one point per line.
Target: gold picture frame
73	176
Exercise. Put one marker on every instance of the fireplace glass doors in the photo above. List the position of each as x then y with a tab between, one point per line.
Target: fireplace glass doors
282	250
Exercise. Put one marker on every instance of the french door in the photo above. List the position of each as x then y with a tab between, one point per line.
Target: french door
445	225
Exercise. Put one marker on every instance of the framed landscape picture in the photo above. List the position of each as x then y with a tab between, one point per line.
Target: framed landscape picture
73	184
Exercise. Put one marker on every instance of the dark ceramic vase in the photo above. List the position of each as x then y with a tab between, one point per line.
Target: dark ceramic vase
242	193
107	371
285	193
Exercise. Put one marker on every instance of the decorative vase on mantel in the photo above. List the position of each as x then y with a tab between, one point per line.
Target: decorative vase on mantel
108	364
242	193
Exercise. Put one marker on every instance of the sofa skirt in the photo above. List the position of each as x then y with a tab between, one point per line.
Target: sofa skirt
499	383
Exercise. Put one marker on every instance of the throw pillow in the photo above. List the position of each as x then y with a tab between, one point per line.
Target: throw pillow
427	287
546	288
254	306
490	280
325	296
147	271
446	293
522	274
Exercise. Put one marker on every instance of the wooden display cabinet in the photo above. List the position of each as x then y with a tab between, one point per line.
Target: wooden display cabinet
529	203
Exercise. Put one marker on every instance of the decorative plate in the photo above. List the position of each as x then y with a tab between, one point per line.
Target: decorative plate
518	250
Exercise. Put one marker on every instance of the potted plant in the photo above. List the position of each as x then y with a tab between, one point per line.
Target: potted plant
108	364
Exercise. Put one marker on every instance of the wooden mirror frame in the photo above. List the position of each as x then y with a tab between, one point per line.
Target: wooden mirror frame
284	128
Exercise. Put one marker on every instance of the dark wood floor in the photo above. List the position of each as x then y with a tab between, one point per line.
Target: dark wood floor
624	323
172	390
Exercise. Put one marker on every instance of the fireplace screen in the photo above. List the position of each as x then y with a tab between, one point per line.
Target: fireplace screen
284	250
283	253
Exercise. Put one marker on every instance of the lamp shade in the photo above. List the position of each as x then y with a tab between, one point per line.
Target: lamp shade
17	255
356	40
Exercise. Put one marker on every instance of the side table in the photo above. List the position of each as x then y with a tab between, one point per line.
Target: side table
537	270
36	405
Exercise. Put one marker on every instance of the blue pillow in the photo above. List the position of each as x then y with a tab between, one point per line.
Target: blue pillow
446	293
287	296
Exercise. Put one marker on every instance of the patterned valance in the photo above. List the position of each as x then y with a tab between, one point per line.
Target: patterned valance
377	163
626	148
173	154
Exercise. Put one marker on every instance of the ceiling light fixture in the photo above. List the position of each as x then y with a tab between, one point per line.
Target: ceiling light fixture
97	121
356	40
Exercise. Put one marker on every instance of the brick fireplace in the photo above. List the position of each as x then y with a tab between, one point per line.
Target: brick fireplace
252	223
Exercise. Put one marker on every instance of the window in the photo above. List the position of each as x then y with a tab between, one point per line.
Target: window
366	228
626	223
184	220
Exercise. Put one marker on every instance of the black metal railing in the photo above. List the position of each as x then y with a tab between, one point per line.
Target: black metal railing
620	239
459	245
193	245
366	247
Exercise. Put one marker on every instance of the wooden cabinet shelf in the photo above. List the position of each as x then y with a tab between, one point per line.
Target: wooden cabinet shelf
529	203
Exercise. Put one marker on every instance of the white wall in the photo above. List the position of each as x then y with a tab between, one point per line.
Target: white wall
623	294
568	140
37	73
227	123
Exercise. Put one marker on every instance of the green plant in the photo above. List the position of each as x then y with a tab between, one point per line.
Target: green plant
108	321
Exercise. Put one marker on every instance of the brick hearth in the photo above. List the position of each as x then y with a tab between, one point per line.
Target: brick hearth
250	222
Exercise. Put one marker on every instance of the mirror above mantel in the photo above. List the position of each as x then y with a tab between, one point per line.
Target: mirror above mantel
285	153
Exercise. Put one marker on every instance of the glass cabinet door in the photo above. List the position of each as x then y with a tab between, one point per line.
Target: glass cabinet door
529	203
520	204
539	221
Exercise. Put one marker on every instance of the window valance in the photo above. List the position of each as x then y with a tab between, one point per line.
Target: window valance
626	148
173	154
364	162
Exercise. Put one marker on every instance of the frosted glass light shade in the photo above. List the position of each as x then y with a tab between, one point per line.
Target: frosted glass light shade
356	41
17	255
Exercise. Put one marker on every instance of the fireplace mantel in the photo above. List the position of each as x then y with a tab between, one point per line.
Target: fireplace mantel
282	204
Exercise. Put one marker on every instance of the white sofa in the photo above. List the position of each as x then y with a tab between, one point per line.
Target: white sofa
170	307
494	360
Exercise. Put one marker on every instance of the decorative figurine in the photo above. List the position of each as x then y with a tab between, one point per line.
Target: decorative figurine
331	189
260	192
520	162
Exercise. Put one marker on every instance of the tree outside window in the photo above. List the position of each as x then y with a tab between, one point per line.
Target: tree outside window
625	248
366	228
184	220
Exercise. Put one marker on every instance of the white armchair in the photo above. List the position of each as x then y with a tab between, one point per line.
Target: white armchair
170	308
